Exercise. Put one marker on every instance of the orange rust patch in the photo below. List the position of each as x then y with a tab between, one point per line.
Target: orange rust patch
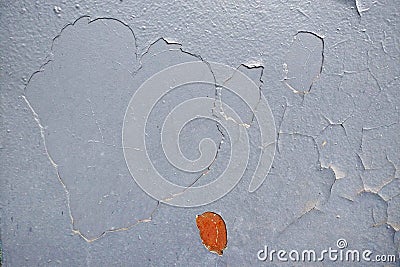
212	231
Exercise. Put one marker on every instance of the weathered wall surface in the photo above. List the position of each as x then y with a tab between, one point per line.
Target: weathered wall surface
328	69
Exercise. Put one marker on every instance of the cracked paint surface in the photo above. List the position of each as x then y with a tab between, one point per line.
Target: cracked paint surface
304	62
90	168
335	173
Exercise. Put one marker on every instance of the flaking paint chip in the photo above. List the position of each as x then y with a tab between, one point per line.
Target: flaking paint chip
212	231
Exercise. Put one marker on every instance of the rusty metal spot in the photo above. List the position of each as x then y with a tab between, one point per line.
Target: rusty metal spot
212	231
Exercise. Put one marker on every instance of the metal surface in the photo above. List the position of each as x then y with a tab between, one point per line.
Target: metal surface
328	69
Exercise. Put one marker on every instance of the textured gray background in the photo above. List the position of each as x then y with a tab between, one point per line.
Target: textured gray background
329	70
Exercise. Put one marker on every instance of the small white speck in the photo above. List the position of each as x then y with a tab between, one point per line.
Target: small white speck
57	9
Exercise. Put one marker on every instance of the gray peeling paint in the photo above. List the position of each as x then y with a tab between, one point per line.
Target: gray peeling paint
329	71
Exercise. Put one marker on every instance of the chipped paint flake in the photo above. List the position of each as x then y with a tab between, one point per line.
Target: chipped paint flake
212	231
